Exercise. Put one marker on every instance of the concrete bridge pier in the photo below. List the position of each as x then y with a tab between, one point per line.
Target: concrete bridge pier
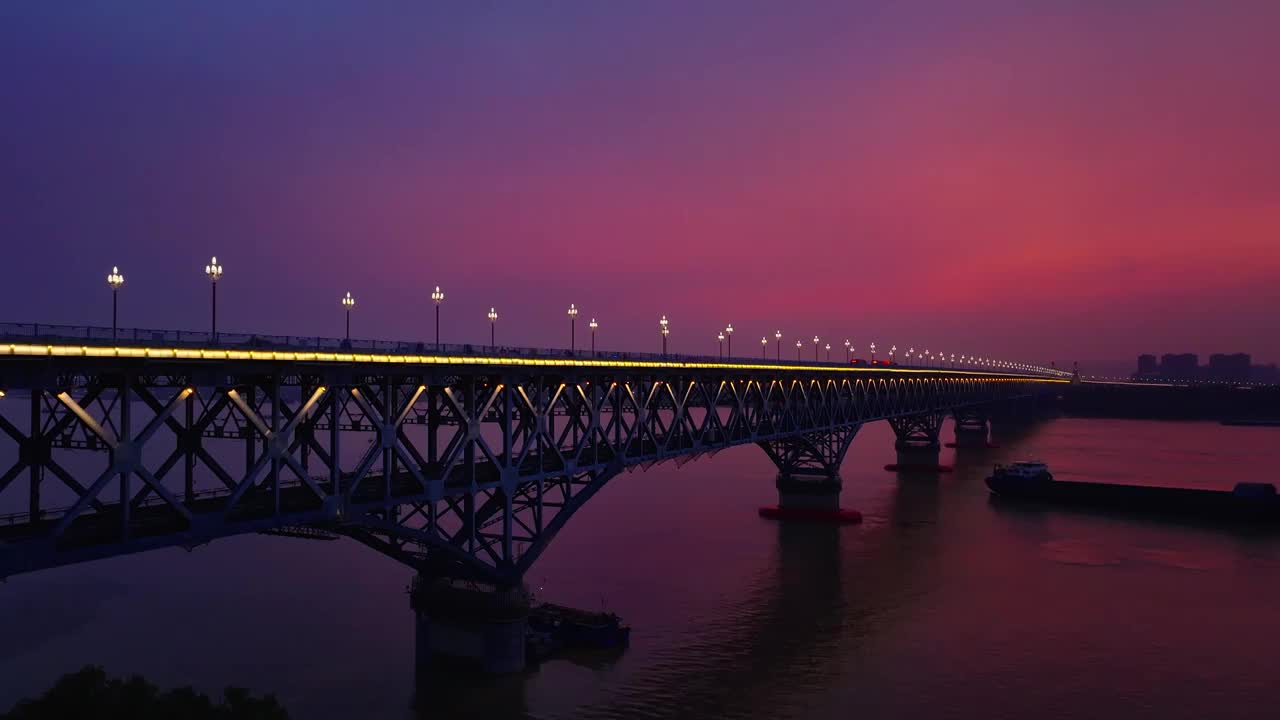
808	479
972	428
483	627
808	493
917	444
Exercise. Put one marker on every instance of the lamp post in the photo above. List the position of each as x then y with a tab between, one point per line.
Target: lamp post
728	331
873	353
764	348
348	302
493	321
892	351
115	280
593	325
214	271
720	344
910	352
815	348
665	331
928	359
573	321
848	350
798	346
437	297
778	336
828	352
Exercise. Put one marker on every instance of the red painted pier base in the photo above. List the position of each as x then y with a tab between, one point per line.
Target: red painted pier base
839	515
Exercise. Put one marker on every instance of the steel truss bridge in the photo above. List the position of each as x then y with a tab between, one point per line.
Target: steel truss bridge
460	462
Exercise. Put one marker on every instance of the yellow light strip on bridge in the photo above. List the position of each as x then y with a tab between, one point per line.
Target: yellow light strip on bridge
92	351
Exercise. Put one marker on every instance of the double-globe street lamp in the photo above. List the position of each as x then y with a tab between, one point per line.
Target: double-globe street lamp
214	271
493	321
664	330
593	325
115	279
573	322
348	302
437	296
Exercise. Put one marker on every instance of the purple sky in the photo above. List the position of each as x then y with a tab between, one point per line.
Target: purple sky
1085	180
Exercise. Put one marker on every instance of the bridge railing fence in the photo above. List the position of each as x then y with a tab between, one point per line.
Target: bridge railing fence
42	333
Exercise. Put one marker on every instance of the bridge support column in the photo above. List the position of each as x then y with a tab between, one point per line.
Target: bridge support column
484	628
809	476
917	444
972	428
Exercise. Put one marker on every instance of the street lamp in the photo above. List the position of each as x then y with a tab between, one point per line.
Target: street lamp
729	333
214	271
778	337
493	320
720	344
828	352
348	302
593	325
815	348
892	351
665	330
573	320
115	280
848	349
438	297
764	348
873	353
798	346
927	358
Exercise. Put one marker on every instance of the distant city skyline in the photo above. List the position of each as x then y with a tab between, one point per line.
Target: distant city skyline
1234	366
1078	185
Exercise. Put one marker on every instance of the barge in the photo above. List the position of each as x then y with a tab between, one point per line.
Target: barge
555	630
1247	502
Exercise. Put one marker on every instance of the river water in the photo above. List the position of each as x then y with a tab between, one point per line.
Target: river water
940	603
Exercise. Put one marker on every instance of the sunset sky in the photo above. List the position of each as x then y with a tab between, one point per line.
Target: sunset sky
1035	180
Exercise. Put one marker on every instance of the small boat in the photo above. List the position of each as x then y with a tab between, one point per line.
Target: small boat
1032	481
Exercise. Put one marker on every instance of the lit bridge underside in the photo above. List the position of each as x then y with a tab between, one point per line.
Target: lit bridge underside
461	466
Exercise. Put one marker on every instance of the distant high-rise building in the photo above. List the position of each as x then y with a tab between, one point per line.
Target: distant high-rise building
1234	367
1147	365
1182	366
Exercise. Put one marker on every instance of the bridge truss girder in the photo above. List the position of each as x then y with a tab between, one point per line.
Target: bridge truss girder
811	454
918	430
462	471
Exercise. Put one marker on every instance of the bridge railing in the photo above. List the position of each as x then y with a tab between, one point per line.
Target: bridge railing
51	334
